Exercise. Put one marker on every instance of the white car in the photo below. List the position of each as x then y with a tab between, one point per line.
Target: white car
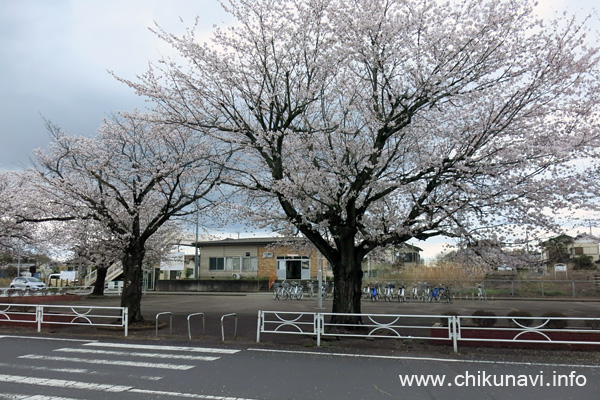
22	282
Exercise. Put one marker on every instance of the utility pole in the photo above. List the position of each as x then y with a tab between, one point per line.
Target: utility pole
196	272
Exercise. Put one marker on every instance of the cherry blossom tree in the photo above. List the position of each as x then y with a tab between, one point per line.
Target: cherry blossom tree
10	230
131	179
366	123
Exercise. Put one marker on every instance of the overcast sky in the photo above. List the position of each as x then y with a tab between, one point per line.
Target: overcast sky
54	57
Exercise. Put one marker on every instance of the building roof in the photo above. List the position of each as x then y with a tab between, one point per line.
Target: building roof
265	241
257	241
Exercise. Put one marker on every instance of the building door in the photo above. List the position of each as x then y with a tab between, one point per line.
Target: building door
293	269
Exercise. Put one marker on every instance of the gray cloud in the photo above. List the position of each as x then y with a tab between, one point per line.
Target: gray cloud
54	57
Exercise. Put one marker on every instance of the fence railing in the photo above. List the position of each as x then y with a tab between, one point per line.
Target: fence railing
385	326
44	315
449	328
291	323
557	330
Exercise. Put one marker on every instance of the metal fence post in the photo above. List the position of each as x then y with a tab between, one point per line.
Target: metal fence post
39	313
259	326
126	319
319	326
454	323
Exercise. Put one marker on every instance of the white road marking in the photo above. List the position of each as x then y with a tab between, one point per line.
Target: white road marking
135	354
166	348
38	368
448	360
45	338
109	362
186	395
59	383
9	396
75	371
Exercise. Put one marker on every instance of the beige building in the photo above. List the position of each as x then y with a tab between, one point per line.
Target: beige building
564	248
584	244
283	258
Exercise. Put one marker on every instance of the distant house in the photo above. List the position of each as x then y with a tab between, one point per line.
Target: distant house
563	248
285	258
391	259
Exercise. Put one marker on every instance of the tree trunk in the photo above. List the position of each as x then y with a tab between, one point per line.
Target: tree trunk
132	285
347	279
100	280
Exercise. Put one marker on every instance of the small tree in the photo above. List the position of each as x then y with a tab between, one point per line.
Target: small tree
131	180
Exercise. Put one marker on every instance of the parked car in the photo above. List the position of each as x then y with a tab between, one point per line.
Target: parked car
27	283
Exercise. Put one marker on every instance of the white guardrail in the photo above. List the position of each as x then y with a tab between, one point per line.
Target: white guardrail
45	314
449	328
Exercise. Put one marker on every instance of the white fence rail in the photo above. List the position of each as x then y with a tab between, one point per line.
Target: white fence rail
387	326
530	330
291	323
43	314
452	329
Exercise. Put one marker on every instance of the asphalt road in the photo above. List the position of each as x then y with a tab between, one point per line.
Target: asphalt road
50	369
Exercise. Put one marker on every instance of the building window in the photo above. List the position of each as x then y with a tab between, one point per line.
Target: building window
248	264
216	264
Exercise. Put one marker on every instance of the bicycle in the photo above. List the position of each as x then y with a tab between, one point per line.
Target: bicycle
402	294
373	292
279	291
296	292
388	294
445	295
415	292
325	292
425	293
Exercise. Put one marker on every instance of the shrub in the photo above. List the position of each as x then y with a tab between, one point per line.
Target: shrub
484	322
518	322
444	321
592	323
555	324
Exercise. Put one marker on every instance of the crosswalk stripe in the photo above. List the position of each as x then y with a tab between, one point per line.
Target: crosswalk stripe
61	383
136	354
109	362
166	348
99	387
85	371
10	396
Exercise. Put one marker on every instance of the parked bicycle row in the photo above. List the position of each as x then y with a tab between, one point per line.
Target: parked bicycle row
295	290
388	291
423	292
